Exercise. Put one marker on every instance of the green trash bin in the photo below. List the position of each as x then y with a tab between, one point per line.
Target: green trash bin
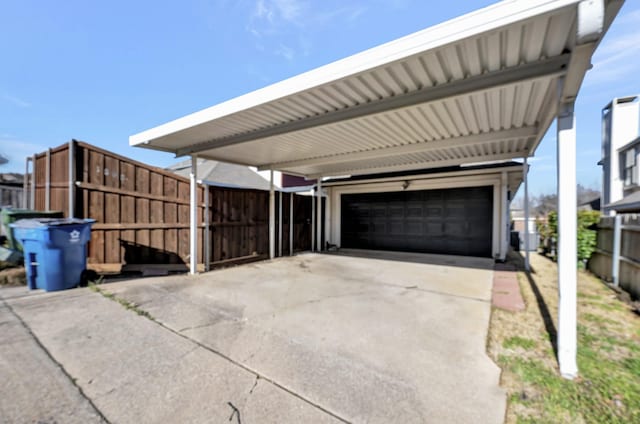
10	215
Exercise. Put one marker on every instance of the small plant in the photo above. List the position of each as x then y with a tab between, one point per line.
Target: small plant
517	341
131	306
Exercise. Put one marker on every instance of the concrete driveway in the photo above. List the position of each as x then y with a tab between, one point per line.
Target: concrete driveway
364	337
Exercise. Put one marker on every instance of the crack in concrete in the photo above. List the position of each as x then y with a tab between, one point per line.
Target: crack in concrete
257	374
56	363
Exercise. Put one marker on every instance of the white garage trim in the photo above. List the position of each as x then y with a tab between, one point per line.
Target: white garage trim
426	182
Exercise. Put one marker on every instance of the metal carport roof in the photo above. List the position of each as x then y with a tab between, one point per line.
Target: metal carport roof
479	88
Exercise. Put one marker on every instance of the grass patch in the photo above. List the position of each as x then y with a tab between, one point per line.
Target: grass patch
608	387
517	341
131	306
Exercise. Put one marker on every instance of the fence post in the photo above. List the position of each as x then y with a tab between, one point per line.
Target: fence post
615	257
25	184
206	238
47	182
72	179
33	182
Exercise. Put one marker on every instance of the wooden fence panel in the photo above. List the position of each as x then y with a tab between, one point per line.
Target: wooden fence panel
629	265
142	212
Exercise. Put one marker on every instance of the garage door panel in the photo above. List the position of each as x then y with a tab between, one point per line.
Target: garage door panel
449	221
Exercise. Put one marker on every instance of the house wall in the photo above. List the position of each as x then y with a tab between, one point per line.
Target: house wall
11	196
620	124
497	180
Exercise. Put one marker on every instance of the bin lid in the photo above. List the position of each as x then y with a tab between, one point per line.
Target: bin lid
49	222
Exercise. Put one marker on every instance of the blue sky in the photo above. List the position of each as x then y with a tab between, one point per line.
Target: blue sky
101	71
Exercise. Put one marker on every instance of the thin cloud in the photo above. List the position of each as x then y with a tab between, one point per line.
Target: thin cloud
277	22
286	52
619	55
16	101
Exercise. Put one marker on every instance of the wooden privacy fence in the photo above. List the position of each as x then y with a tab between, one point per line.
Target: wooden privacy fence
624	271
142	212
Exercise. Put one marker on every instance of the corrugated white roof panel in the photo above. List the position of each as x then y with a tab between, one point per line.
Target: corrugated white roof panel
491	71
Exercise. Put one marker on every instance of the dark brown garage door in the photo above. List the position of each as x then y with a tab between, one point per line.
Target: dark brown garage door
451	221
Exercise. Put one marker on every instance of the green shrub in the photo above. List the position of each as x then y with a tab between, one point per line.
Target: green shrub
587	238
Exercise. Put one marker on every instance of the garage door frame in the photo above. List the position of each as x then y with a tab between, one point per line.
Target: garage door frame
399	228
416	183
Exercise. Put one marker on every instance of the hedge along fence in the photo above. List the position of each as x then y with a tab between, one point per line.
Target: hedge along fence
601	262
587	235
142	212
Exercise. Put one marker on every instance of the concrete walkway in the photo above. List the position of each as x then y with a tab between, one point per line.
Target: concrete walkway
314	338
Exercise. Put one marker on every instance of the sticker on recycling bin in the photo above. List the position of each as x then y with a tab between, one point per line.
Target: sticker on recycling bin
74	236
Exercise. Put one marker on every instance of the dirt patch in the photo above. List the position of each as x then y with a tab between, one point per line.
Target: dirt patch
13	277
524	343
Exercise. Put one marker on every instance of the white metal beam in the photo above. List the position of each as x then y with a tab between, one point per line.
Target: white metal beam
280	223
567	242
420	165
525	178
193	216
504	221
313	221
272	217
543	68
319	217
425	146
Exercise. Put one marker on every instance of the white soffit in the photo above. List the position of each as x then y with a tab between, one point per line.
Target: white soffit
481	87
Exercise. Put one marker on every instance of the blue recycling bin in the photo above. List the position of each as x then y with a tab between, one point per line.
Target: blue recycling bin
55	251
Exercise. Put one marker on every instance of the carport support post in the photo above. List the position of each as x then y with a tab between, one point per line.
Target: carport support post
291	224
272	217
525	177
567	241
280	223
319	217
193	216
313	220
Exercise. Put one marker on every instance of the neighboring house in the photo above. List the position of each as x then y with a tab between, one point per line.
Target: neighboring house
11	190
518	224
629	159
222	174
620	126
590	205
